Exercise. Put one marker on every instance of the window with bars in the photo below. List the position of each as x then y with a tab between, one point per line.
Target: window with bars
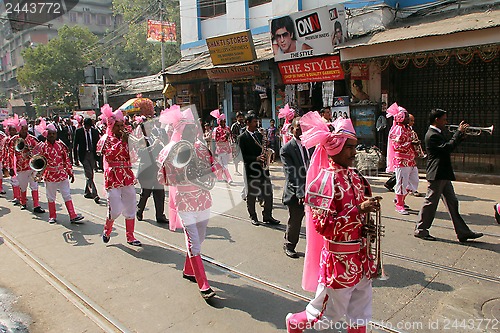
211	8
468	92
253	3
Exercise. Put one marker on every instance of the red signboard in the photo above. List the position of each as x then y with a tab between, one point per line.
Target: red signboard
311	70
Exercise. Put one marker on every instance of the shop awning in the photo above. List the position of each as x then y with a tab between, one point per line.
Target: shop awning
432	32
132	87
203	61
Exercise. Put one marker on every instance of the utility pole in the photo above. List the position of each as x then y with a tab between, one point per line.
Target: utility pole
162	49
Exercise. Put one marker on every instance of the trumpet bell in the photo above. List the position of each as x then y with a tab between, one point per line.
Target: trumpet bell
19	145
38	163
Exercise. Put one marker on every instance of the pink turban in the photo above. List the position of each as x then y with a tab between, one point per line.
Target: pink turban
23	122
177	119
217	115
109	117
12	122
43	128
287	113
397	112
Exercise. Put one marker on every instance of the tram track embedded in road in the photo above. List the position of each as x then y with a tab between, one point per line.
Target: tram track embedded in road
92	310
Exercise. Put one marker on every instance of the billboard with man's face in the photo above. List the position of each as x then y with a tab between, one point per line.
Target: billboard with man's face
307	33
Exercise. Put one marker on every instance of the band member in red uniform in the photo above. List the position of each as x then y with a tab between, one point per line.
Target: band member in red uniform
19	165
401	148
192	197
11	125
119	179
57	171
222	136
3	138
336	206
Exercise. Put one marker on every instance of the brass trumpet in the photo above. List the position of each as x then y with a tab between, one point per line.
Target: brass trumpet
373	243
471	130
38	163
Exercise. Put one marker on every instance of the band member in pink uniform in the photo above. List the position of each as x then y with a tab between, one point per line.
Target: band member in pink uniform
57	171
11	125
336	266
400	148
288	114
119	179
222	136
3	138
19	165
192	201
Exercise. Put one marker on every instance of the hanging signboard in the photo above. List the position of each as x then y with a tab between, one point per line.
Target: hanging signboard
307	33
232	48
311	70
89	97
233	72
161	32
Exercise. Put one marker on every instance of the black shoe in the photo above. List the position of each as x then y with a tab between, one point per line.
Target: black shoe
15	202
3	192
426	237
390	189
472	235
271	220
255	221
76	219
162	220
207	294
38	210
96	200
289	252
497	216
105	238
135	242
139	216
88	196
24	207
189	277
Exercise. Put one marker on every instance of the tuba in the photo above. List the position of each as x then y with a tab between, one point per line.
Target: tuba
193	170
38	163
373	243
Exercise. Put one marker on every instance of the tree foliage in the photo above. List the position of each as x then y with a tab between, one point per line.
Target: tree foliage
133	56
55	70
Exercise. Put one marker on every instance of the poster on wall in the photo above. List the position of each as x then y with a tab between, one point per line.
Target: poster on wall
306	33
89	97
340	107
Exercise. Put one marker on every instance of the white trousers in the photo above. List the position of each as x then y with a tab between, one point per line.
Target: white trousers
63	187
329	305
405	178
14	181
25	178
223	159
122	200
195	229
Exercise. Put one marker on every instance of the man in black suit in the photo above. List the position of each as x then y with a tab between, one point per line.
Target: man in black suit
85	143
257	178
295	158
440	175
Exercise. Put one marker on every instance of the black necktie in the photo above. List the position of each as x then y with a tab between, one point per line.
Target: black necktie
89	142
306	156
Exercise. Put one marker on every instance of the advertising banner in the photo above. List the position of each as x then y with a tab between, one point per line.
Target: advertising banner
232	48
4	114
311	70
307	33
158	32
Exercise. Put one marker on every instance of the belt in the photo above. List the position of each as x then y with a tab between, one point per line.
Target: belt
342	247
187	188
119	164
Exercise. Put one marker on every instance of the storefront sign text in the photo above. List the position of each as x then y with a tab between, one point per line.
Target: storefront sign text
311	70
233	48
233	72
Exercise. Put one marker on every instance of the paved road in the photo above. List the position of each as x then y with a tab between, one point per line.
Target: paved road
433	287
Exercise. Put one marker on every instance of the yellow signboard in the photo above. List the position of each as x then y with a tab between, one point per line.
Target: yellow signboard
232	48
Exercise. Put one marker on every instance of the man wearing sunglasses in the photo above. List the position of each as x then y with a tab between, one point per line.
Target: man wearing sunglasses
283	36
